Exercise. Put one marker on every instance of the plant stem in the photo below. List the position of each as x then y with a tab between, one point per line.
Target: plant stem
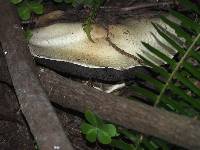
176	69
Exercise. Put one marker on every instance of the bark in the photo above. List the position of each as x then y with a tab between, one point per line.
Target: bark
34	104
12	123
176	129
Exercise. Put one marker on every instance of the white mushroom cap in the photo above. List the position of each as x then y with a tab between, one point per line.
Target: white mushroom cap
68	42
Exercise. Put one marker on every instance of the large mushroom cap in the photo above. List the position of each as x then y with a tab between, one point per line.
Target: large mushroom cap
67	42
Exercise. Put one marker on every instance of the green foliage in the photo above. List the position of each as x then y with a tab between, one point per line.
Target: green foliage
87	25
26	7
97	129
174	86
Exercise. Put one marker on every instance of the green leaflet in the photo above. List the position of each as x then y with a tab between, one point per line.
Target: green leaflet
25	8
177	88
97	129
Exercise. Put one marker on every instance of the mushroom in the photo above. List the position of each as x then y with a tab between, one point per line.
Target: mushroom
113	56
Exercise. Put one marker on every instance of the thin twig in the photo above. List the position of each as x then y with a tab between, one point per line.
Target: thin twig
138	6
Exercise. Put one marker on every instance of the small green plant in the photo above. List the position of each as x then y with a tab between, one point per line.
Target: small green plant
96	129
27	7
87	25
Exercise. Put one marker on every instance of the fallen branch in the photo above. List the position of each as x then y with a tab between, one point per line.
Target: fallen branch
12	123
34	104
171	127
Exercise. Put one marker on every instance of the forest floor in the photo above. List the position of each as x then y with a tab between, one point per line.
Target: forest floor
14	131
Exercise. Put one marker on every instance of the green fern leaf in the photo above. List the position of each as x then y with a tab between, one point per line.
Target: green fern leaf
188	83
179	31
186	22
160	55
190	68
167	37
158	84
155	68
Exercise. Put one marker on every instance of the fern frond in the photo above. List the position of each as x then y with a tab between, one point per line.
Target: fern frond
174	87
186	22
174	73
172	82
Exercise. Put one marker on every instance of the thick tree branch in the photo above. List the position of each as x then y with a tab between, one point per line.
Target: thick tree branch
34	104
171	127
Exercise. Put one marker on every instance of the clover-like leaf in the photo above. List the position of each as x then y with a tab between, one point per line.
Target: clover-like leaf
85	128
104	132
36	7
91	118
24	12
91	135
90	131
110	129
103	137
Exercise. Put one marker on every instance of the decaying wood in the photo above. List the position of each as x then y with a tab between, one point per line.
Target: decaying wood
171	127
34	104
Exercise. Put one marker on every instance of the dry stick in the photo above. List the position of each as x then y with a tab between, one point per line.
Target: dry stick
140	6
58	15
34	104
176	129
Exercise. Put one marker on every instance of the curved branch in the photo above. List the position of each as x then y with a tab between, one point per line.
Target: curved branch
34	103
171	127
